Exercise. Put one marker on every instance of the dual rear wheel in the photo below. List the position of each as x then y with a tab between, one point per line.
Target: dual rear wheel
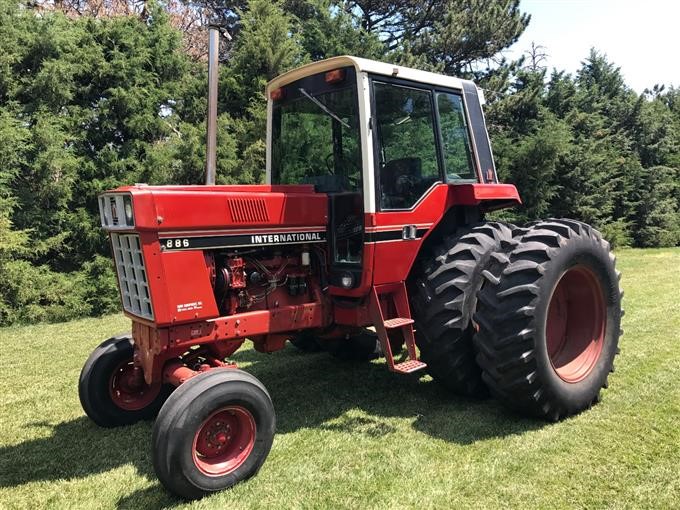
530	315
549	319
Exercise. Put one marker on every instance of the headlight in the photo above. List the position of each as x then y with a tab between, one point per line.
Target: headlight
347	280
127	205
116	211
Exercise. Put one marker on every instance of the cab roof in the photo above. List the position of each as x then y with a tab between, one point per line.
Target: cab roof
365	65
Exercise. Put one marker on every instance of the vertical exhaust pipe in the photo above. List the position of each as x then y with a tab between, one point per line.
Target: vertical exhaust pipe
211	128
214	32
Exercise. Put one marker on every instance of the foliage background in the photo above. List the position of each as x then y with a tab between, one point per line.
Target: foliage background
95	94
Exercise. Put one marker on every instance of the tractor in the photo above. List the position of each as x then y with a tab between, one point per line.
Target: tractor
369	238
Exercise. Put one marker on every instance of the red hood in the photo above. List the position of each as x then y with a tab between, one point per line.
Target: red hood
197	208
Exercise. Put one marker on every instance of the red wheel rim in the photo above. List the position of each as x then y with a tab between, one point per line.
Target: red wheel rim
575	325
224	441
128	389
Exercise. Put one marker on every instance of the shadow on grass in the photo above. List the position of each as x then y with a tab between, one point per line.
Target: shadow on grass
308	390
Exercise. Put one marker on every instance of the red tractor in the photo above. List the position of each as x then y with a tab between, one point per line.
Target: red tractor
372	216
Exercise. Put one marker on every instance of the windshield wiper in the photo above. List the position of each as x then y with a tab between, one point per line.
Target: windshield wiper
323	107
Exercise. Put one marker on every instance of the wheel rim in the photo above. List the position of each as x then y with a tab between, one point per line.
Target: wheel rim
224	441
128	389
575	325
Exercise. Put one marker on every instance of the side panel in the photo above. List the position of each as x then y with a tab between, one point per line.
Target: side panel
393	255
187	279
156	276
388	257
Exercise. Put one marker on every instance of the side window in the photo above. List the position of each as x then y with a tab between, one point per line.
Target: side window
455	138
406	143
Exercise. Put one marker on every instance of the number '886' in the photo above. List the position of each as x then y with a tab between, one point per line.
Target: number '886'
176	243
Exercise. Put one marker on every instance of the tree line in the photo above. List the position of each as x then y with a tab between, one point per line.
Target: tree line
97	94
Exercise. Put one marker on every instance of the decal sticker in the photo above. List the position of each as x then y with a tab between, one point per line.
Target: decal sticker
300	237
241	241
177	243
185	307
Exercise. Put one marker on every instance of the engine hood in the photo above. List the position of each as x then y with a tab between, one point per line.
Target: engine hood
244	208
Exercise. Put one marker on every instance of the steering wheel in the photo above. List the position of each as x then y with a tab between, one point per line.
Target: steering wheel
353	181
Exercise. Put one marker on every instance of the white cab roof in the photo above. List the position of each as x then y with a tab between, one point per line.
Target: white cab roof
365	65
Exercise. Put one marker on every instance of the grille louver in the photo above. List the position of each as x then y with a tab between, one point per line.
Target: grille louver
248	210
132	279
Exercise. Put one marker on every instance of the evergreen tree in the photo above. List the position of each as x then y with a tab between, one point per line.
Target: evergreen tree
91	101
659	214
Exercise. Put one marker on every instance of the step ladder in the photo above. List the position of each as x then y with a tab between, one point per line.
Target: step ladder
391	315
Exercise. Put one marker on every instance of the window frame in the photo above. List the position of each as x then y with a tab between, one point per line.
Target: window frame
439	147
470	140
318	85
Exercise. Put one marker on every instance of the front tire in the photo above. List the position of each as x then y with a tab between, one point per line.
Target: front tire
549	320
111	394
214	431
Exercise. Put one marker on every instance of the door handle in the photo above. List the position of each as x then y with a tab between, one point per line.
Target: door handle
409	232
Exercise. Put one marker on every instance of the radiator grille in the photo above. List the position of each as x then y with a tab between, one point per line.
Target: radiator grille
248	210
134	286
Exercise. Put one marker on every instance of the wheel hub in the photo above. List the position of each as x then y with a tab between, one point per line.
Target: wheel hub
224	440
128	389
575	325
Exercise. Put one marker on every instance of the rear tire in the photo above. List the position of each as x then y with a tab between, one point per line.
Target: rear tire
549	320
214	431
105	391
443	294
363	346
306	341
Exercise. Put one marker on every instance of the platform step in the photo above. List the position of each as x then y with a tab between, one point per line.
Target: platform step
397	322
409	366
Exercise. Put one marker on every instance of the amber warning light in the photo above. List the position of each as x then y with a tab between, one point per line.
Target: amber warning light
278	94
335	76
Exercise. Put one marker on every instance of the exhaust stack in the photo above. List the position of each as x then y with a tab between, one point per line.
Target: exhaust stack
211	128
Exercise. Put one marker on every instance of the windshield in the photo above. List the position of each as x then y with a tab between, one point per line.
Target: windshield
315	136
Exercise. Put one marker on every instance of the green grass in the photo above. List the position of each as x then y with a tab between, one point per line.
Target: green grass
356	436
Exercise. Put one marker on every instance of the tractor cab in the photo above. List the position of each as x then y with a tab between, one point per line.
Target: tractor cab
392	147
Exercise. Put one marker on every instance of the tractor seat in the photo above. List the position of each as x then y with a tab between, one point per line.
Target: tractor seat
399	182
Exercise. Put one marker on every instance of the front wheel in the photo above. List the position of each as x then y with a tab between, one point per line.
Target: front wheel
112	390
214	431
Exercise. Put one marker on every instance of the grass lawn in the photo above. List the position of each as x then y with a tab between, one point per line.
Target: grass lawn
353	435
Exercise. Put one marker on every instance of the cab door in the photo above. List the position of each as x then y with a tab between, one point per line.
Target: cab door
422	149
